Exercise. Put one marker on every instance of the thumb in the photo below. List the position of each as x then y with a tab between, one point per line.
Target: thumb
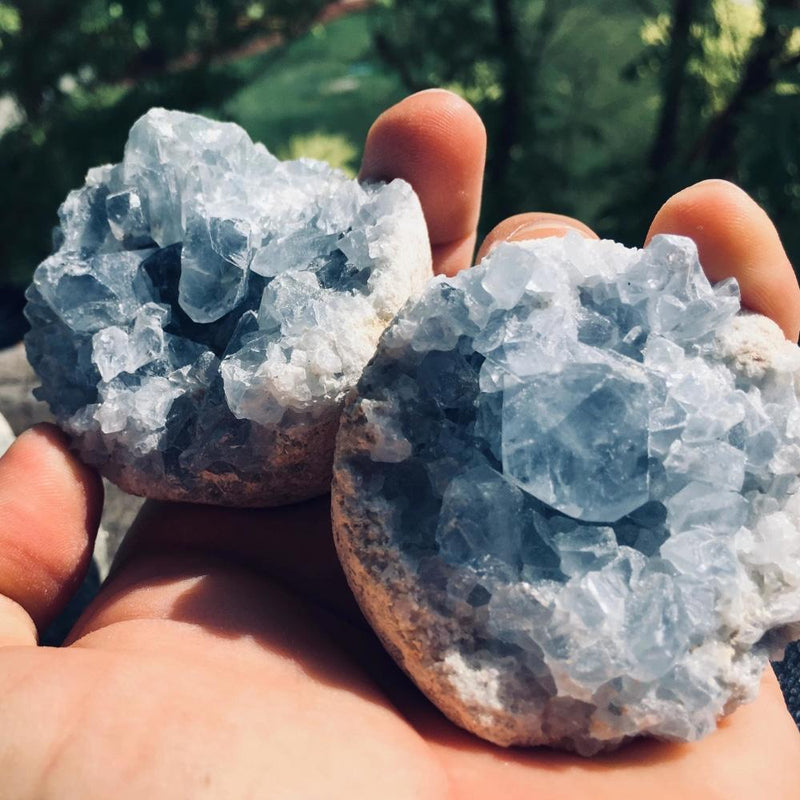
49	512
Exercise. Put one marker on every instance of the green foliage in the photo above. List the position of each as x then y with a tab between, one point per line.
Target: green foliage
74	76
554	79
603	109
736	120
597	109
44	42
335	149
328	82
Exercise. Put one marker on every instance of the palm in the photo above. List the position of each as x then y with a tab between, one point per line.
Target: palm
226	657
235	685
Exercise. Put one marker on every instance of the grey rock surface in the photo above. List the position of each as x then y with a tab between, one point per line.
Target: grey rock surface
566	494
6	435
208	307
17	382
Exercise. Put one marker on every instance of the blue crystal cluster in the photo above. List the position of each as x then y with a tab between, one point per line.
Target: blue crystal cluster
207	307
566	494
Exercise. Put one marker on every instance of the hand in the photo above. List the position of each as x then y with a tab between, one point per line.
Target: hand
225	657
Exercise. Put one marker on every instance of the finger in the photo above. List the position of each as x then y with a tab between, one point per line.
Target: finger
736	238
435	141
49	512
533	225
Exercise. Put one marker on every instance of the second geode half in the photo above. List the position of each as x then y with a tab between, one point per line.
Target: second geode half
208	307
566	494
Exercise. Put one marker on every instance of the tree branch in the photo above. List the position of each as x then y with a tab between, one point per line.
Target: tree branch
760	73
789	63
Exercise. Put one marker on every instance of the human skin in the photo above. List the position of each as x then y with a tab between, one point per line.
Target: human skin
226	658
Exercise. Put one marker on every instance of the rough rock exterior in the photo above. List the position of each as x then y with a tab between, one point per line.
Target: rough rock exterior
565	494
208	307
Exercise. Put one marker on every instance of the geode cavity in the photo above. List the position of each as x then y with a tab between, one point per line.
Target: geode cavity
566	494
208	307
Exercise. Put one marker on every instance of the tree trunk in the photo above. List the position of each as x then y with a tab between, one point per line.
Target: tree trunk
520	78
665	142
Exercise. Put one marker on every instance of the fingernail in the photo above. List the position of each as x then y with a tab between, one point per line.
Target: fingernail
543	228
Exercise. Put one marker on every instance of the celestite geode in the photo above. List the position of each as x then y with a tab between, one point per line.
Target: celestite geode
566	494
208	307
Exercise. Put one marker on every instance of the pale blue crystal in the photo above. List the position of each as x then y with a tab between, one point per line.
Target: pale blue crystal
481	513
559	447
594	495
582	548
208	307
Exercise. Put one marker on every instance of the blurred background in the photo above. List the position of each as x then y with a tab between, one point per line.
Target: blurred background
595	108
